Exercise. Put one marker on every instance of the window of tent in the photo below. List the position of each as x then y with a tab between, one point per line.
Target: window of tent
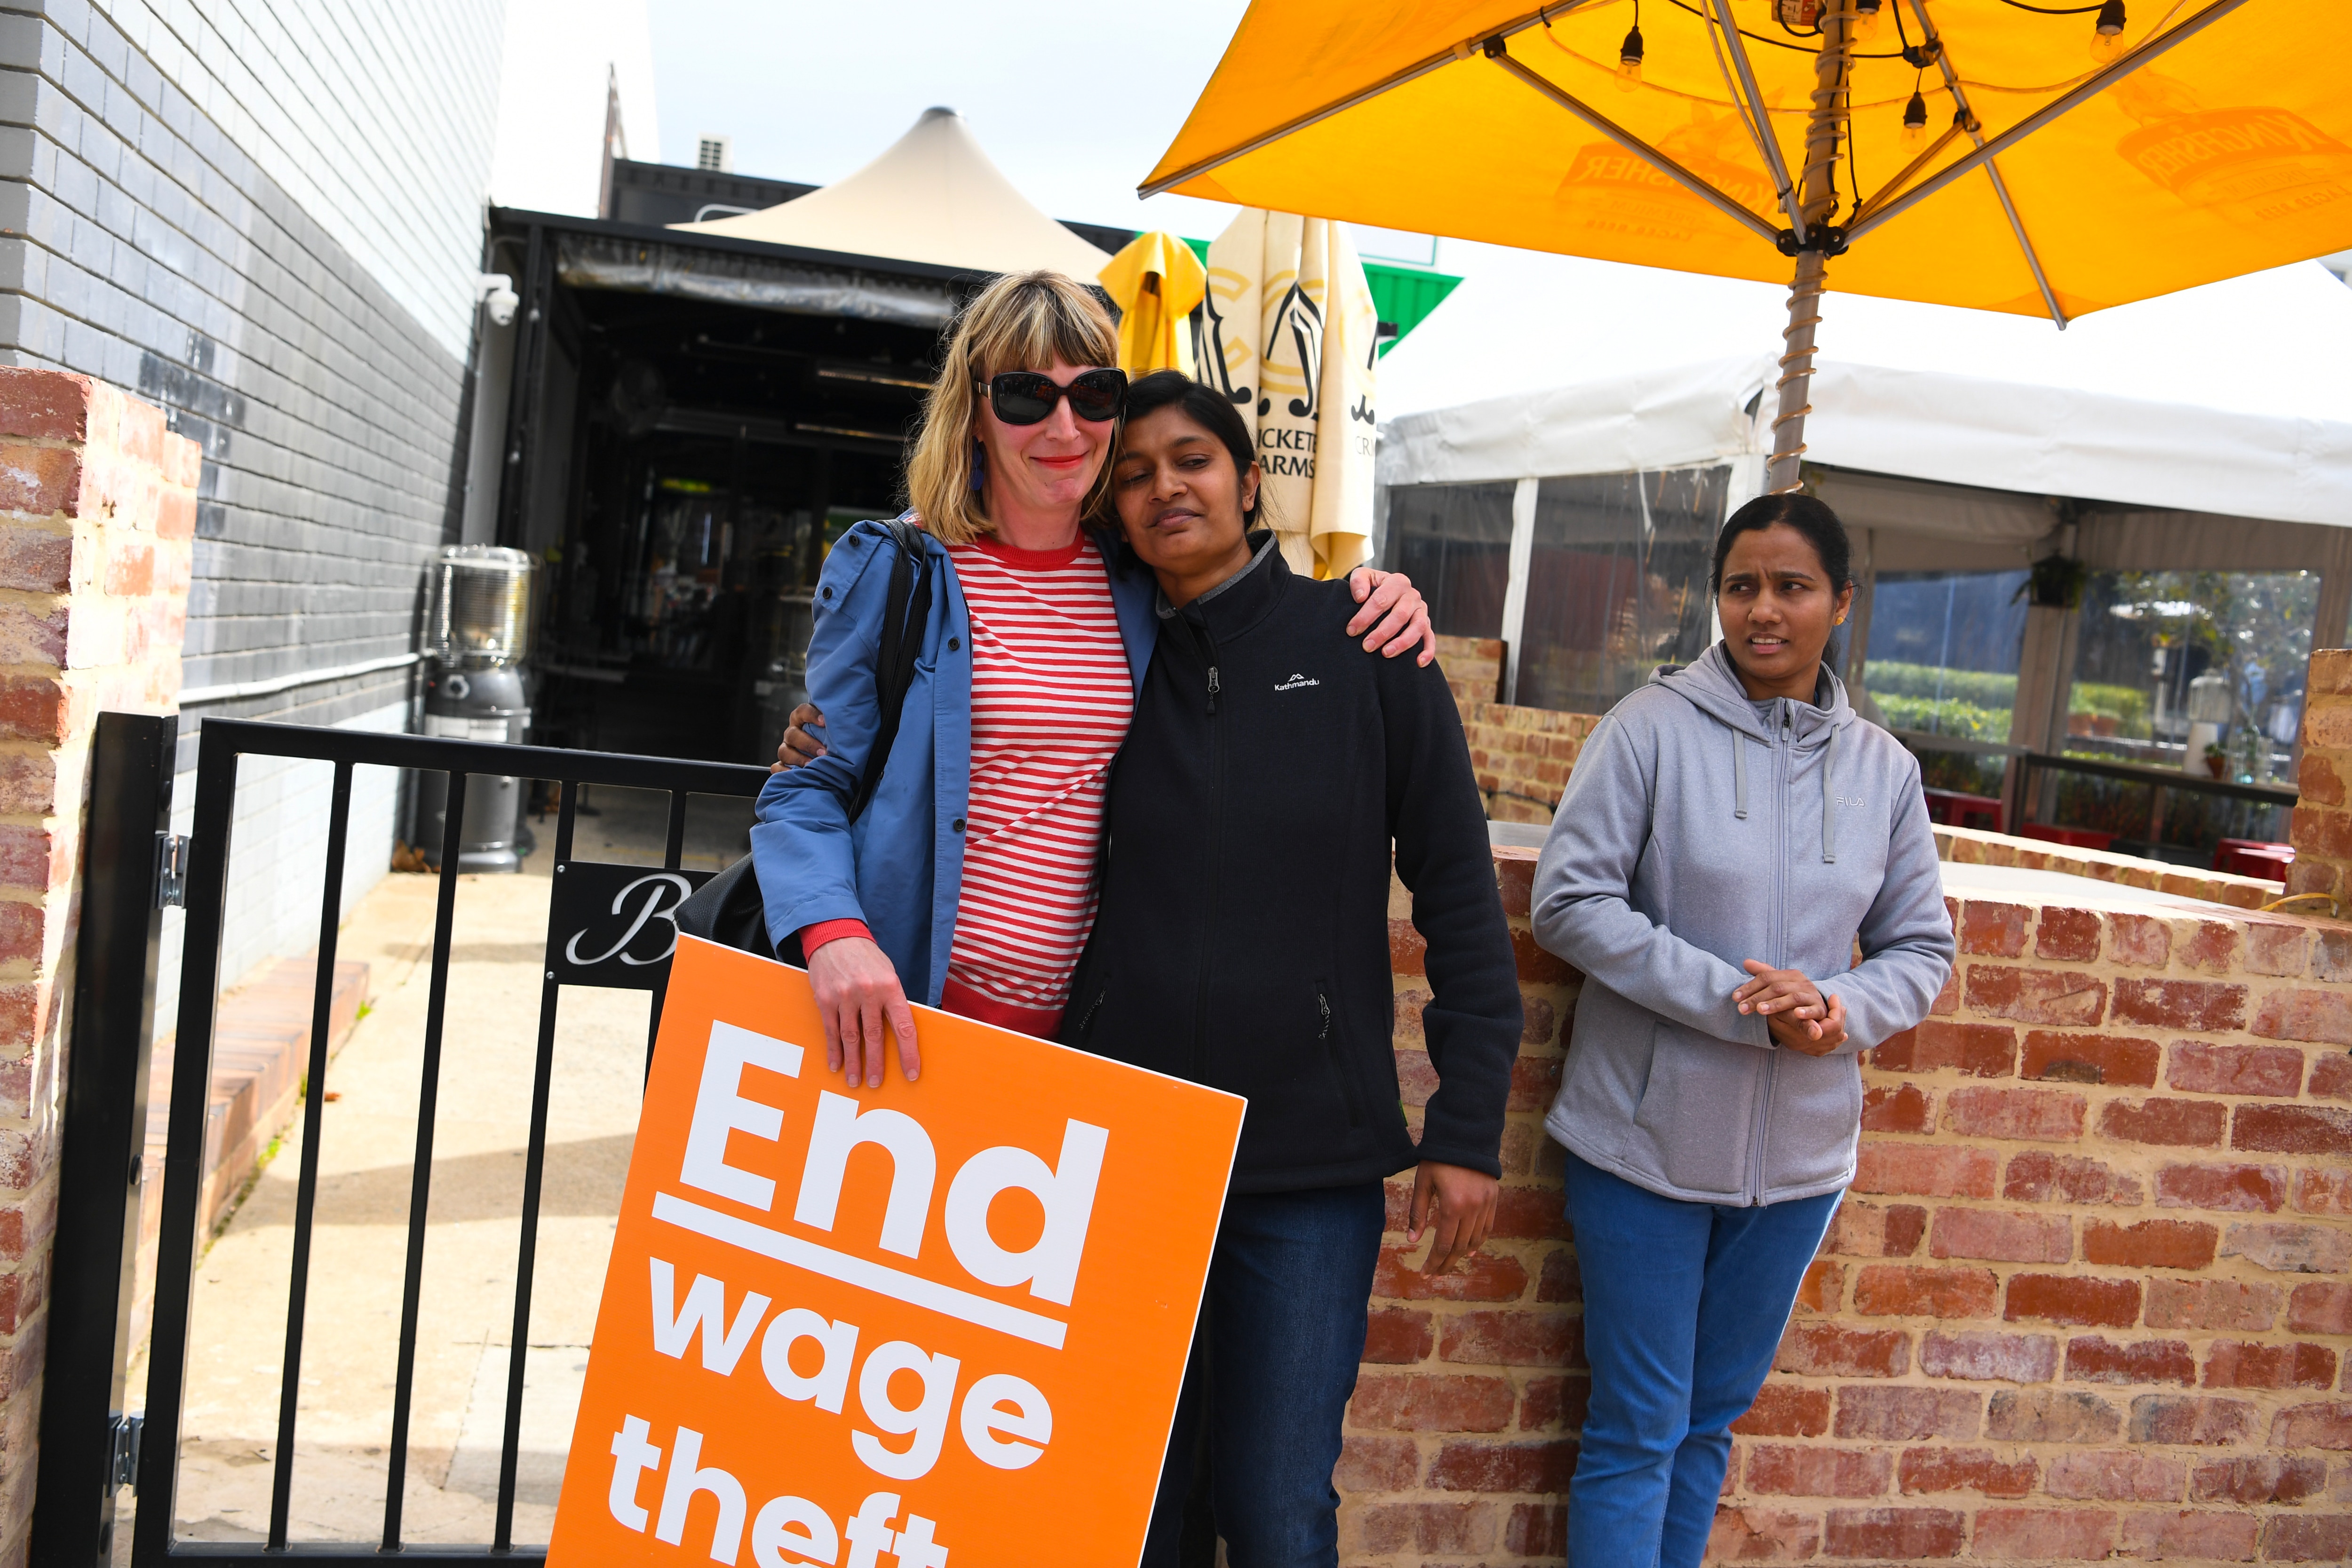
2196	671
1454	542
1617	582
1942	659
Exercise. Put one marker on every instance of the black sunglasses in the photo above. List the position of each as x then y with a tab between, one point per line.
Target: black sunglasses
1027	396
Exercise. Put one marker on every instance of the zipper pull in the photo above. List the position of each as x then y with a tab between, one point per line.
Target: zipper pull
1213	690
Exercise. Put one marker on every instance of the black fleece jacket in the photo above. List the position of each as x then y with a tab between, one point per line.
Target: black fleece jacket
1243	940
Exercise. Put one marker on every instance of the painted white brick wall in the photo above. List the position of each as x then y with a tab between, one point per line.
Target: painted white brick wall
277	854
377	119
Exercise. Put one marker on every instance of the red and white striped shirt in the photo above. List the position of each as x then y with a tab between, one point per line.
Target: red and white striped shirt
1051	701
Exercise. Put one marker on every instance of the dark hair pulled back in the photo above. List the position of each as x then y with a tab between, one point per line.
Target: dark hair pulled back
1806	514
1202	405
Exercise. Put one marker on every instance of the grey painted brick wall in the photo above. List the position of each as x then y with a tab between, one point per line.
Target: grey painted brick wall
315	347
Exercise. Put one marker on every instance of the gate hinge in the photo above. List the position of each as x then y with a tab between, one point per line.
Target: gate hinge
122	1449
171	871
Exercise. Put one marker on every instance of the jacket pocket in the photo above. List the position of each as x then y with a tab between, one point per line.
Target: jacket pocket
1334	1059
1696	1115
1816	1118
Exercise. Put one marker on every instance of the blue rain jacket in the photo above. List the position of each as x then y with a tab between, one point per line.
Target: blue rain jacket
899	868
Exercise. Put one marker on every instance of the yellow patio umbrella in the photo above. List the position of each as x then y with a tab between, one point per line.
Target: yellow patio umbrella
1156	281
2042	160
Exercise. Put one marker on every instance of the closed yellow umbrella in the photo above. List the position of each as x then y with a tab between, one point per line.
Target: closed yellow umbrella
1156	281
2046	160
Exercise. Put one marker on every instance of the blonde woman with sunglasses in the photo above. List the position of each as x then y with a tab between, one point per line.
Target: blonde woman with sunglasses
968	880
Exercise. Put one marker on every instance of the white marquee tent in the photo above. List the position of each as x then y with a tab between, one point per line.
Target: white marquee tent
1931	473
933	196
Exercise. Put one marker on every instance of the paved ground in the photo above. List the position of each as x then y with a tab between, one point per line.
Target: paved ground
366	1152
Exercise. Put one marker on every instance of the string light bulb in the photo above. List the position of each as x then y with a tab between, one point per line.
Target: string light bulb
1629	59
2107	36
1915	119
1866	20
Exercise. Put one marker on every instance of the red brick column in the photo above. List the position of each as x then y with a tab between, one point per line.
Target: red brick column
2090	1297
2321	829
97	515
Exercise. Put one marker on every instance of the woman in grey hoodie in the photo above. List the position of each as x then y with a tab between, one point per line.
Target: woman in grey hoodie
1732	834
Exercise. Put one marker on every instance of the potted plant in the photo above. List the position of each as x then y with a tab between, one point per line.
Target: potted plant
2216	758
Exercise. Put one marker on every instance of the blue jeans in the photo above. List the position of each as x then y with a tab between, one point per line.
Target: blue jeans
1275	1358
1683	1307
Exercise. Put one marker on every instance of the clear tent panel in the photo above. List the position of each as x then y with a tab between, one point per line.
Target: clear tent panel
1454	542
1616	583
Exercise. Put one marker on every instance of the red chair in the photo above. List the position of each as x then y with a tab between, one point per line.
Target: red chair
2253	858
1954	809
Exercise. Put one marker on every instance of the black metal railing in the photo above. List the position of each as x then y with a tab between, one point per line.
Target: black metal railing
582	892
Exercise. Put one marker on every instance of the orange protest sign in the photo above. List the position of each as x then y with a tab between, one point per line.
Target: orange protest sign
933	1325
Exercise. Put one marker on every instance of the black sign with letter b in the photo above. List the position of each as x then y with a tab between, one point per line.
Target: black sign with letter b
616	926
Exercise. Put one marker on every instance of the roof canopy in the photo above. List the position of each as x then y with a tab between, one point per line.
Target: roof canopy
2008	445
933	197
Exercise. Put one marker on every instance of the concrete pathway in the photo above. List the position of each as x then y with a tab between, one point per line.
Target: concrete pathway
367	1145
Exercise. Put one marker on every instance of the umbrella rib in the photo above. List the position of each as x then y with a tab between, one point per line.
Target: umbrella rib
1462	51
1639	148
1759	125
2083	92
1967	118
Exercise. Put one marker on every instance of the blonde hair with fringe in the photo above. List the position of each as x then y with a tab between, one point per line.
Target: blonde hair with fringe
1024	320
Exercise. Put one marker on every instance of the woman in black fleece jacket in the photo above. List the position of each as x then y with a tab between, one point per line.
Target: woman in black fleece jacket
1242	942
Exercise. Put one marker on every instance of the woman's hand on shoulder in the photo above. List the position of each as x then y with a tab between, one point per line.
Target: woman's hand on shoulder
1393	611
798	747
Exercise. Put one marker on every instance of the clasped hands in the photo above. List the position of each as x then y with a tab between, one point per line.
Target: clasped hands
1800	1016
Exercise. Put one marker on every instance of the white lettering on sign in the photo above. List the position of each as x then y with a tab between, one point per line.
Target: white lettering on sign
984	1416
863	1273
829	1386
705	1308
1064	1190
719	1111
927	1421
1050	1266
687	1477
841	1127
792	1524
1005	1419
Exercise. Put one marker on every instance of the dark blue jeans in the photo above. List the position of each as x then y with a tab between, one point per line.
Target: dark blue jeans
1275	1358
1683	1307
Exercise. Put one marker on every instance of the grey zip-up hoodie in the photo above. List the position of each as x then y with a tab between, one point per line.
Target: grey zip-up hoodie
1696	832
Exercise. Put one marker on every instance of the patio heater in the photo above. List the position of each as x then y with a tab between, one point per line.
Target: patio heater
476	624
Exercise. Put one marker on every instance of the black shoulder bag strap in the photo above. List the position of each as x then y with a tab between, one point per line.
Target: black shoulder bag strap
905	613
730	907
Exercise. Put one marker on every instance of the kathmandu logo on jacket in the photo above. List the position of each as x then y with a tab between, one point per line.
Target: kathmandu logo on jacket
1293	683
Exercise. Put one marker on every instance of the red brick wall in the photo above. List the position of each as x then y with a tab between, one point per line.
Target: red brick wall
2090	1296
2322	825
98	509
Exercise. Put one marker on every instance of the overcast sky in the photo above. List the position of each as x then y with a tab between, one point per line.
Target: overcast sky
1075	103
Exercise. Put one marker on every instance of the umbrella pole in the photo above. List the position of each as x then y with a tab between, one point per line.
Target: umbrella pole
1818	201
1796	375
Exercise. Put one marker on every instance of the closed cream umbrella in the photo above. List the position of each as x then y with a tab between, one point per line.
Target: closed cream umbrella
1155	280
1290	334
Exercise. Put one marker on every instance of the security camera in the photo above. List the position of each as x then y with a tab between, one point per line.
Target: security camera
496	291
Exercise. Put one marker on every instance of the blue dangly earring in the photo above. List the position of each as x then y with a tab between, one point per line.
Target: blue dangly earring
978	467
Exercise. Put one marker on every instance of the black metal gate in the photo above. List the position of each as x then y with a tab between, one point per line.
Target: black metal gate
620	935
